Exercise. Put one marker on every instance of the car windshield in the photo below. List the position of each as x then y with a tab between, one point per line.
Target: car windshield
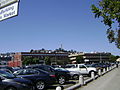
6	74
89	65
62	69
70	66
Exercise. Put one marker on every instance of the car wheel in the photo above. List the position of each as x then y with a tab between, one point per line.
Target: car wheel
61	80
76	77
11	88
40	85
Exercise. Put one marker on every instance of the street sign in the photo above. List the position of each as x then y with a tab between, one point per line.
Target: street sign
4	3
9	11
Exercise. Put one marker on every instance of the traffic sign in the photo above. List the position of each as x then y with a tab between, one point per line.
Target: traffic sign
4	3
9	11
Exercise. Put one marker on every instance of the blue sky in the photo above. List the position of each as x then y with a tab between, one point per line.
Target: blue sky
50	23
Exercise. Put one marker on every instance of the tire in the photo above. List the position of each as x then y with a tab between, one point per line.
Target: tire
76	77
61	80
40	85
11	88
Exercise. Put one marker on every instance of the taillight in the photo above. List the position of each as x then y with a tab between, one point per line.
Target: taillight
52	75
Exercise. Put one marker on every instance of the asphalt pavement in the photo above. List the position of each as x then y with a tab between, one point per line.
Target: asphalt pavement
109	81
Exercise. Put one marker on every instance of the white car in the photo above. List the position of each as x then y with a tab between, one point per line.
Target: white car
82	68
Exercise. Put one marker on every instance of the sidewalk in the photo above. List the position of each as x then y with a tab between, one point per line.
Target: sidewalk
109	81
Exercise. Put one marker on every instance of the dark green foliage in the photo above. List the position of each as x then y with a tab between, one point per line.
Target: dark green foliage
113	58
79	59
109	10
47	60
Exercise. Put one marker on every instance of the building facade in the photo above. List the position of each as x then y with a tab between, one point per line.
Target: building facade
96	57
54	57
59	57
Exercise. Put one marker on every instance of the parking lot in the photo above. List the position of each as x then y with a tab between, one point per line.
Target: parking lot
68	84
46	77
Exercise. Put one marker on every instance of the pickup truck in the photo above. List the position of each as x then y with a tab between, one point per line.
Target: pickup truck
82	68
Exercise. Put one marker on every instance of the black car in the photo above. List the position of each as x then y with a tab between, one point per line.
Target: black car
6	67
74	74
40	78
100	65
61	75
9	82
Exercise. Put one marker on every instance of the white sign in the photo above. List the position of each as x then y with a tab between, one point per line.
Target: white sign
9	11
4	3
86	60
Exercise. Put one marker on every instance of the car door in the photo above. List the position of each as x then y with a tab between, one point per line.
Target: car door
83	69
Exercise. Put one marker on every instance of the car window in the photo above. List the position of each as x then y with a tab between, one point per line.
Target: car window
19	72
6	74
30	71
82	66
70	66
47	69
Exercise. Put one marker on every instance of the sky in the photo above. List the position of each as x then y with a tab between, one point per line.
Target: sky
49	23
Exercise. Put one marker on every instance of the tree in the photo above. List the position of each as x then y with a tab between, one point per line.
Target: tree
27	60
47	60
109	10
79	59
113	58
35	60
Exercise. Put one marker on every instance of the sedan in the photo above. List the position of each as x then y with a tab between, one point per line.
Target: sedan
40	78
74	74
9	82
61	75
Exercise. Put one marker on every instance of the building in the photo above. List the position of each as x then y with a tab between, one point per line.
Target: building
54	57
58	57
97	57
72	56
91	57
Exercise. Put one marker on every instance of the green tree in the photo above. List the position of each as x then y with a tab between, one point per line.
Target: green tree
35	60
109	10
47	60
27	60
113	58
79	59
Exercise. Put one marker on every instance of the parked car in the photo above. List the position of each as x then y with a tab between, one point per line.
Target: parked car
9	82
40	78
7	67
61	76
100	65
7	70
16	68
74	74
82	68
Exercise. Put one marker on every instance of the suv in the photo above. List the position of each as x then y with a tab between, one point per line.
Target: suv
61	75
82	68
